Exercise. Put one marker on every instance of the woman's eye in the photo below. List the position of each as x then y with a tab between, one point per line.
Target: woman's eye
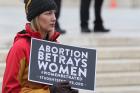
48	13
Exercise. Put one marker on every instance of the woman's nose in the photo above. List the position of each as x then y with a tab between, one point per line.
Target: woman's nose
53	17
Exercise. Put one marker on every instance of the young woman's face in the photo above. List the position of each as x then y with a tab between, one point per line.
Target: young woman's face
47	21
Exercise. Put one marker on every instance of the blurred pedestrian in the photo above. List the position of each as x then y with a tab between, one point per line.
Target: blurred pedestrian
58	27
41	17
84	16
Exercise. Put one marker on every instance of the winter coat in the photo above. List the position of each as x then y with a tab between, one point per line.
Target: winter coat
15	78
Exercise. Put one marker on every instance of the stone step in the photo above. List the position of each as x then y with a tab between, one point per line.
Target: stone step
100	40
124	89
2	68
3	54
112	89
118	79
115	66
92	40
1	84
107	66
118	89
118	53
103	53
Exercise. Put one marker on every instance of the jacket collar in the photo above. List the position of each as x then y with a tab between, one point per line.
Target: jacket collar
36	34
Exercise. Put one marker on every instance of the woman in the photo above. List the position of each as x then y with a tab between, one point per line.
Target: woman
41	15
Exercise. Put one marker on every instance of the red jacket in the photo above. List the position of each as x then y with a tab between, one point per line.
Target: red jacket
15	78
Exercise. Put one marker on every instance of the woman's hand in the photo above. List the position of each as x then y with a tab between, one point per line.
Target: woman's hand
62	87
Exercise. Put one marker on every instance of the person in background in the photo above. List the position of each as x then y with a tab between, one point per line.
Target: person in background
84	16
58	28
41	17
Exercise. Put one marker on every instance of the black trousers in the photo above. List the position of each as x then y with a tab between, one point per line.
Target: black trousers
58	3
84	12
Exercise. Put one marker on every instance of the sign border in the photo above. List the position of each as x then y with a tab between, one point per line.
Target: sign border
64	45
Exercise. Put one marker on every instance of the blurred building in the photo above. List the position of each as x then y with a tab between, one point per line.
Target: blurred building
108	3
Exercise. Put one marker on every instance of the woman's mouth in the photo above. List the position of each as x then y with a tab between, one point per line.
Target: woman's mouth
53	25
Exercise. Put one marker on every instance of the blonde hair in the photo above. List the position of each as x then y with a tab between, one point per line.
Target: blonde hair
35	24
27	3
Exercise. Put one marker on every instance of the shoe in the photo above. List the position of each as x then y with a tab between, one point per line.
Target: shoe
99	27
85	30
102	29
61	31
